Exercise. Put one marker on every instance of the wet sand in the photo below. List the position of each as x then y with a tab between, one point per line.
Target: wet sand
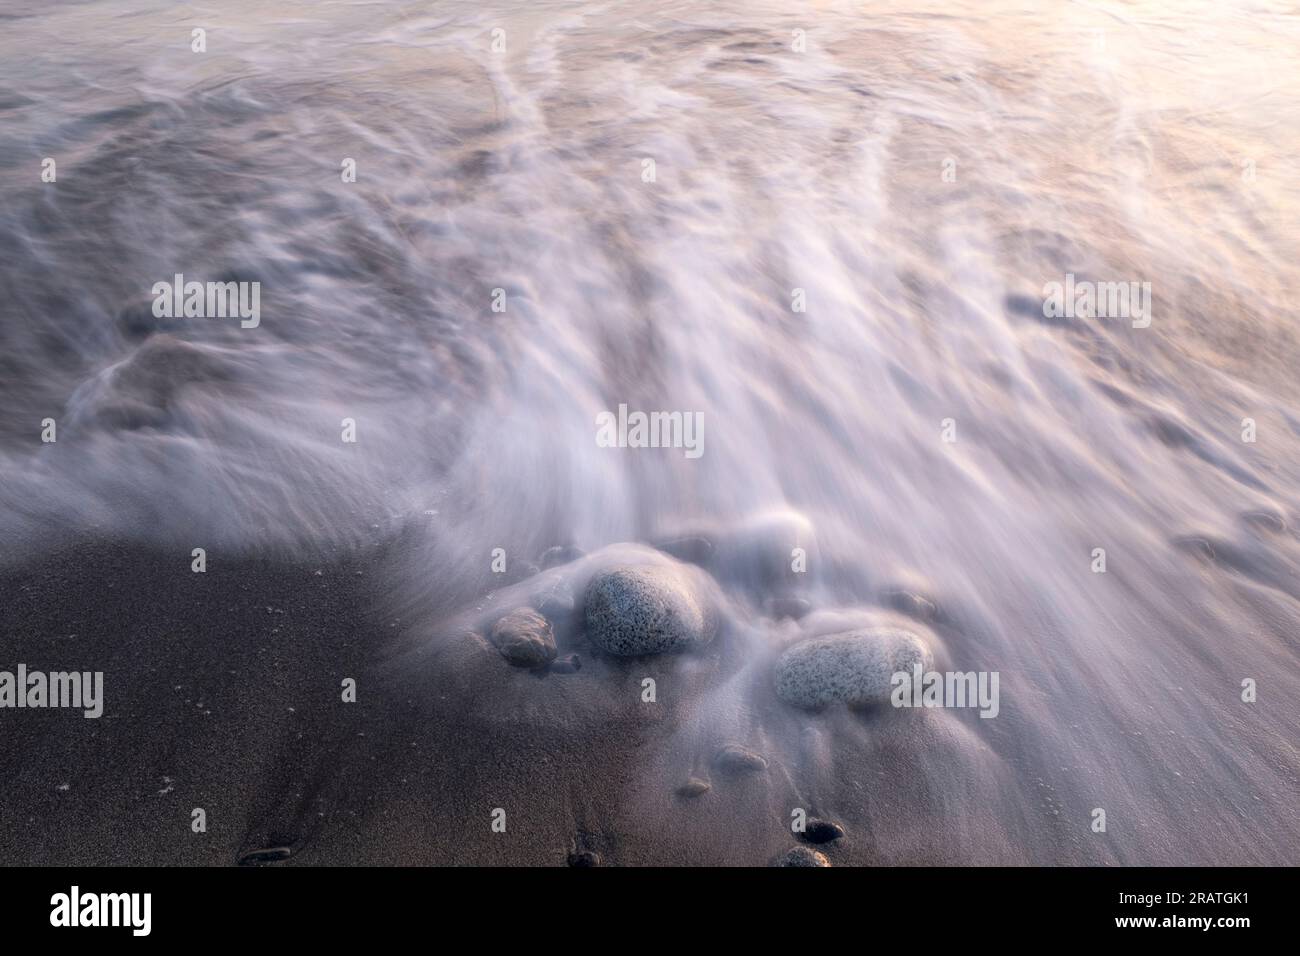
223	691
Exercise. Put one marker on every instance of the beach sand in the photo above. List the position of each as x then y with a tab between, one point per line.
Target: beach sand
223	691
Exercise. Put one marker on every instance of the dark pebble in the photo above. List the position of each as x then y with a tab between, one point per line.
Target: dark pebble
822	831
266	855
584	858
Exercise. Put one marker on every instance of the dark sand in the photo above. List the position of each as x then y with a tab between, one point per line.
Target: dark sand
223	691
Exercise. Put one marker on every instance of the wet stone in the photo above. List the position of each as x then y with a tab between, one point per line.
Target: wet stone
802	856
524	638
637	610
736	760
694	787
855	667
911	604
265	855
819	831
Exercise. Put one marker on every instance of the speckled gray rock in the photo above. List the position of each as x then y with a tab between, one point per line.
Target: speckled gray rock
854	667
524	638
635	610
802	856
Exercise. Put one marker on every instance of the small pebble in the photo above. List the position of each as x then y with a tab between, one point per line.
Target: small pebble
821	831
911	604
802	856
735	759
524	638
694	787
266	855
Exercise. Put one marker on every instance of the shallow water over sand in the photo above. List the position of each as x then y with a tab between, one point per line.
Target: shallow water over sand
920	172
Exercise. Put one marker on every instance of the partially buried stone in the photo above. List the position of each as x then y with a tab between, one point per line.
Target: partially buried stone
635	610
694	787
911	603
854	668
821	831
584	858
265	855
802	856
524	638
735	759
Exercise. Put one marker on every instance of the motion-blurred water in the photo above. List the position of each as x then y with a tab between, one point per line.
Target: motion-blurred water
920	170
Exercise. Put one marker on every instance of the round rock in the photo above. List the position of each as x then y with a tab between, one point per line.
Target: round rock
524	638
854	668
635	610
